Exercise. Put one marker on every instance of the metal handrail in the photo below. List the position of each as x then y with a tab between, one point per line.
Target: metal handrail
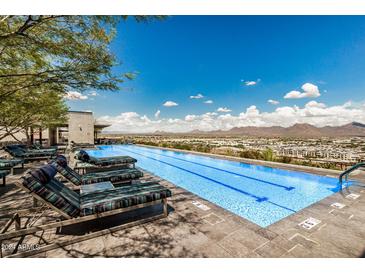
348	171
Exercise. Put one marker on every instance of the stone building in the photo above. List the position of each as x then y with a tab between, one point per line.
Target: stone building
81	127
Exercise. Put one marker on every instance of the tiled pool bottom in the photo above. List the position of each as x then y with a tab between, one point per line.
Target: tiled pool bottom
260	194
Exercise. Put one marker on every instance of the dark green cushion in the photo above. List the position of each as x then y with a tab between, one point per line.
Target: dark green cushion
9	163
109	161
75	205
113	176
71	196
68	173
122	197
50	194
96	177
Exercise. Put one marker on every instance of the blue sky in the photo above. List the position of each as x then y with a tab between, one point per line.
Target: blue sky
217	56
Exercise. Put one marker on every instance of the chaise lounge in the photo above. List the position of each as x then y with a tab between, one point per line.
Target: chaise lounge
70	204
81	207
83	156
119	176
77	146
29	154
9	164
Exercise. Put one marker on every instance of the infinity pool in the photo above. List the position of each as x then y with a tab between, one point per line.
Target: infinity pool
261	194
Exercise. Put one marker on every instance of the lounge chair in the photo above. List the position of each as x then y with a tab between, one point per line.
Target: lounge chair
79	208
29	154
77	146
72	204
3	174
118	176
9	164
41	150
34	149
83	156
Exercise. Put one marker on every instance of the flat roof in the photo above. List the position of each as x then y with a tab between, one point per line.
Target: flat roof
80	111
101	125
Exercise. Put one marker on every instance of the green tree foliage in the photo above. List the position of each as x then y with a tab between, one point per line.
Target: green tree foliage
251	154
57	53
53	55
38	109
285	159
268	155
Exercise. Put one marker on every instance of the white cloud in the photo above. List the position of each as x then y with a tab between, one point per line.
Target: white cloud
208	102
224	109
273	102
170	104
309	91
157	114
348	104
251	83
317	114
294	94
74	95
315	104
93	93
198	96
190	117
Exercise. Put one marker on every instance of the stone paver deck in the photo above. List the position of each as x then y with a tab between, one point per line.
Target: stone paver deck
190	231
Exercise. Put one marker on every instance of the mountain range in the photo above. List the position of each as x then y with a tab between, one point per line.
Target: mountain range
353	129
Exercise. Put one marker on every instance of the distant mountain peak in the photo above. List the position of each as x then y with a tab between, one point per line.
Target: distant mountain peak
302	125
357	124
298	130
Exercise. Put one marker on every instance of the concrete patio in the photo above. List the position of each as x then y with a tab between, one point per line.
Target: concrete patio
201	230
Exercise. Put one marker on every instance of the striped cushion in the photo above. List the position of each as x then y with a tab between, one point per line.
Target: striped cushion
31	153
92	178
71	196
45	150
9	163
16	152
122	197
50	195
68	173
40	152
112	176
108	161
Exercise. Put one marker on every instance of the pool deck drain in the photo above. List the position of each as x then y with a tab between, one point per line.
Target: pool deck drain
310	223
197	228
338	205
200	205
353	196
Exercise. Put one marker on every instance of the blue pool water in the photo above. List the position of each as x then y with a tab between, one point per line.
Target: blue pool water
261	194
